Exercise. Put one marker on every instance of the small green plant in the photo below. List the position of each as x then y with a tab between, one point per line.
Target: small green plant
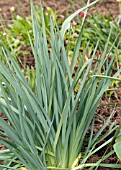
48	125
97	27
15	35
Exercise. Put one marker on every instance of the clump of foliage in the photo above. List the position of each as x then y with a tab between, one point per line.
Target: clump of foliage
48	124
97	27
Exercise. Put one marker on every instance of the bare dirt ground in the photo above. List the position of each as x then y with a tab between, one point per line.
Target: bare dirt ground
106	7
22	7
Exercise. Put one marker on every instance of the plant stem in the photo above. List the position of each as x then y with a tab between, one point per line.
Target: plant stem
75	168
120	7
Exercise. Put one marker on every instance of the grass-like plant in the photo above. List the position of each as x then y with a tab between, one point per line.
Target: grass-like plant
117	145
48	125
119	17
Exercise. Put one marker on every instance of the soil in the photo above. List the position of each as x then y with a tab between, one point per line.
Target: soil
22	7
107	7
